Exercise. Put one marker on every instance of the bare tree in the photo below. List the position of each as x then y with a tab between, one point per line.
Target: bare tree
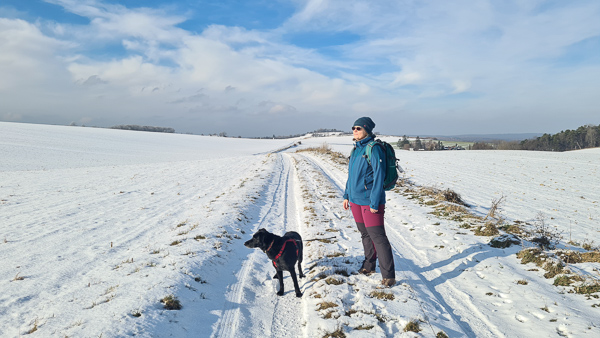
543	235
496	203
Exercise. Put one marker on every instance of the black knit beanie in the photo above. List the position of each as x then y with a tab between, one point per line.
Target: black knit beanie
366	123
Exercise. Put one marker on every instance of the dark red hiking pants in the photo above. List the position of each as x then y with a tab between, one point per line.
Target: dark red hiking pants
374	240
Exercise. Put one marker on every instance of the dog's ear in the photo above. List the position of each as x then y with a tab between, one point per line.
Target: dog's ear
266	237
262	230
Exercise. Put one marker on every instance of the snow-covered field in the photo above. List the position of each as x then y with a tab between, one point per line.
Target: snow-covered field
97	226
561	186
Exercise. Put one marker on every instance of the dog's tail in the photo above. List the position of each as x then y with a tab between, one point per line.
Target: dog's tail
318	239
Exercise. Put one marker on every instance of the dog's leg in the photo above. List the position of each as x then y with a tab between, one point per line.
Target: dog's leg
295	279
276	276
280	277
300	273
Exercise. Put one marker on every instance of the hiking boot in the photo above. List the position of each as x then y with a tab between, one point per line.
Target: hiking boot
365	272
389	282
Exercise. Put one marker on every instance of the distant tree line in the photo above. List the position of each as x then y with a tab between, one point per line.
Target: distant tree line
279	137
317	133
583	137
486	146
419	144
144	128
325	130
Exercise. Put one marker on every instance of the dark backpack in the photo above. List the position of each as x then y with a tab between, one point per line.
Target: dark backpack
393	169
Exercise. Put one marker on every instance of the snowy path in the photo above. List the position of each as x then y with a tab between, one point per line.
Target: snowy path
252	309
253	294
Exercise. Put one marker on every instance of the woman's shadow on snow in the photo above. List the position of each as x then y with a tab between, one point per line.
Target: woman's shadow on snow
469	258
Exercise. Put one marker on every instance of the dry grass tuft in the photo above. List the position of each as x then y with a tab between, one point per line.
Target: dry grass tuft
588	287
329	315
171	303
532	255
326	305
382	295
513	229
364	327
489	229
572	257
452	197
553	269
335	254
333	281
351	312
565	280
339	333
34	328
412	326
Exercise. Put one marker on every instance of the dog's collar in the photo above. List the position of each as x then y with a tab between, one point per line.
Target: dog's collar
270	246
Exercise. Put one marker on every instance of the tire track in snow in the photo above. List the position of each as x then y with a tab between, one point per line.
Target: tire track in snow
253	287
287	311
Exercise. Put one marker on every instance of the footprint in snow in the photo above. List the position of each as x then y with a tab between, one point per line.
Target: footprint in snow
521	318
538	315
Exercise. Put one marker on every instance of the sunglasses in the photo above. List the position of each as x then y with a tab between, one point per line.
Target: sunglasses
357	128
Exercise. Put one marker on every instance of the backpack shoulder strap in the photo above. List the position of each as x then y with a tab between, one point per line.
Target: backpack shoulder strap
369	149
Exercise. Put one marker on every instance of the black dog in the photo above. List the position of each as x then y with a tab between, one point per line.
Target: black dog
283	251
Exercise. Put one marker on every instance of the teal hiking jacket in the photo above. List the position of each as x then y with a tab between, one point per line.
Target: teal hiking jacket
365	182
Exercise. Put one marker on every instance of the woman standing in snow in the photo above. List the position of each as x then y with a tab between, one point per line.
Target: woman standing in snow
365	196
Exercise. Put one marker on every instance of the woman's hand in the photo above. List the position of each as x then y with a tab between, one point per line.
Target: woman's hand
373	211
346	204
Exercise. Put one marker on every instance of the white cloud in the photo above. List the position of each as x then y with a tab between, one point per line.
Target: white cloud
28	56
281	109
407	77
460	86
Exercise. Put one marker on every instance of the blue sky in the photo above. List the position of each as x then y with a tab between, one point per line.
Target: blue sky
264	67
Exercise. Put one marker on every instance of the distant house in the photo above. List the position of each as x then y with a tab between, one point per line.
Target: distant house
454	147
